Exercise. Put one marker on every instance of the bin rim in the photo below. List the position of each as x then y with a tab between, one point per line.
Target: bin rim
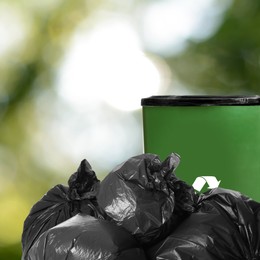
201	100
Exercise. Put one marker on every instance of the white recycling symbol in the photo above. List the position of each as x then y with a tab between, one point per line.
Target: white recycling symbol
200	181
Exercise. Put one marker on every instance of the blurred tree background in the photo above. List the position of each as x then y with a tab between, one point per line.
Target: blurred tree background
72	74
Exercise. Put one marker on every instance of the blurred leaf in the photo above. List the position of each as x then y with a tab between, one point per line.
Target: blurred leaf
229	61
11	252
28	71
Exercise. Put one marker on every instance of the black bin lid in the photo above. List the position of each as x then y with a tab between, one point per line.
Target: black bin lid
205	100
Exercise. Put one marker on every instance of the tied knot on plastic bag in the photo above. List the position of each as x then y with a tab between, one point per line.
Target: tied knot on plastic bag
161	177
158	172
186	199
83	189
83	184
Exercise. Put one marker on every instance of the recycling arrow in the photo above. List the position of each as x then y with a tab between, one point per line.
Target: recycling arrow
199	183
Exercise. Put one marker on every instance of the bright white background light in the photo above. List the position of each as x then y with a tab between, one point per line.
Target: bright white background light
13	28
105	74
106	63
168	24
101	81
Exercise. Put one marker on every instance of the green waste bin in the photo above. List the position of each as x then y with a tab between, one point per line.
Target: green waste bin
217	137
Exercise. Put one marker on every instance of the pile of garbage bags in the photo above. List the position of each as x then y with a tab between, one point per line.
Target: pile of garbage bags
140	211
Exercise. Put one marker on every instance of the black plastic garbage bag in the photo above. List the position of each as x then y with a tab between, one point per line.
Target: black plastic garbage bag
86	238
226	226
61	203
139	195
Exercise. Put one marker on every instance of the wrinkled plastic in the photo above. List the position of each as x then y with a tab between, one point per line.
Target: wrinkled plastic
88	238
61	203
225	226
139	195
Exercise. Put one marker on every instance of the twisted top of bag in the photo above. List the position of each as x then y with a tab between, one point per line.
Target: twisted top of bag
83	184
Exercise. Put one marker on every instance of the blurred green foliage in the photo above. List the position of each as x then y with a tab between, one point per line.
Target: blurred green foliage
12	251
26	73
227	63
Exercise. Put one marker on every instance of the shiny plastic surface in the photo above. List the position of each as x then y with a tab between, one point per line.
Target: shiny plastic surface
61	203
139	195
145	206
226	226
86	238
